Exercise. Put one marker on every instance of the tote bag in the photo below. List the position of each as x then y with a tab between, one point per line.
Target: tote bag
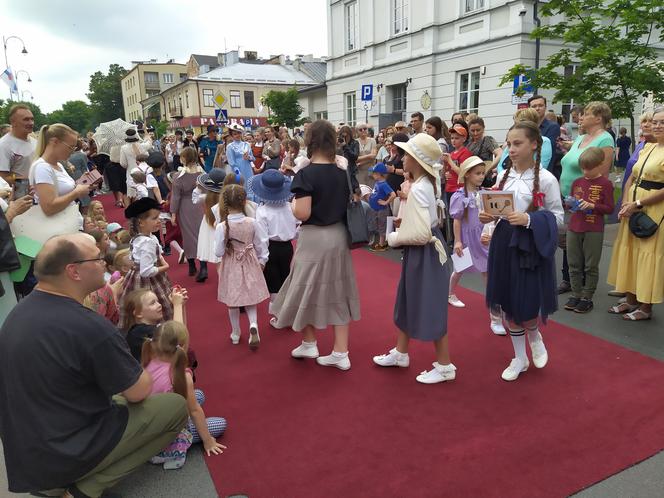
356	220
36	225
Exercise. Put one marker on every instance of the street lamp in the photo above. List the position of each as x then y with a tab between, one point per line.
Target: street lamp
23	71
4	44
32	97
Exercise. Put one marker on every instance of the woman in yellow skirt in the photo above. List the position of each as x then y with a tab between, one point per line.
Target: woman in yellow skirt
637	265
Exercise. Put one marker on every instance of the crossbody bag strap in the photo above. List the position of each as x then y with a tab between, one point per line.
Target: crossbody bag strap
350	185
636	185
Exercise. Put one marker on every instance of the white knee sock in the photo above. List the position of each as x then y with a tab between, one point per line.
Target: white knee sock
454	280
519	344
269	307
234	315
252	314
533	334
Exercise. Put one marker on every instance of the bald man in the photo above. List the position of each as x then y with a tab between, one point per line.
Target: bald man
63	428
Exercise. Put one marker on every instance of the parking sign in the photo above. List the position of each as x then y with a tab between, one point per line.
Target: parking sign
367	93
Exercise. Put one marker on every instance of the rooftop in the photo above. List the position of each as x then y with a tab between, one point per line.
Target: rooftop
258	73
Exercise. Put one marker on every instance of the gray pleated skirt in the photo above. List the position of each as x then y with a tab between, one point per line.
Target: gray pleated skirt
321	289
420	309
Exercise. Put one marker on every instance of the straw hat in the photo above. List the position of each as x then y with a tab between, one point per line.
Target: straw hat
212	181
131	135
236	127
270	187
467	165
425	150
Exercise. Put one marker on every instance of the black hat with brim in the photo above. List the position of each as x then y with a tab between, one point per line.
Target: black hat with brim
156	159
141	206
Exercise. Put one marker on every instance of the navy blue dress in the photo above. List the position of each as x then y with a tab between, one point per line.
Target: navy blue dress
522	270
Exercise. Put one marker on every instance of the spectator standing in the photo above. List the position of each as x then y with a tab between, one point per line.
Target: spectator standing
417	122
17	147
207	147
623	143
367	153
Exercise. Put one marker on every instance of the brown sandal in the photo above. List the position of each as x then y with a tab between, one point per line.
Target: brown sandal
637	316
623	308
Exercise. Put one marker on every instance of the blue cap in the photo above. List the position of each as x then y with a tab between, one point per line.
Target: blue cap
379	168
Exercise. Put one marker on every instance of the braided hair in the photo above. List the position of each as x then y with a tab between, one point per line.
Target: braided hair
533	134
233	196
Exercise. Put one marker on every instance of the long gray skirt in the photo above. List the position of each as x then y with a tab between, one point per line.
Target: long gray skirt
420	309
321	289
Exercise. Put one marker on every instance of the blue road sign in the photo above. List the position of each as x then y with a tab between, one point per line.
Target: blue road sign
247	122
367	93
522	79
221	115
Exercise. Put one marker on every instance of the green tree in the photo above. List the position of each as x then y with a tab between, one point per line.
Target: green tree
106	94
40	117
613	44
284	108
76	114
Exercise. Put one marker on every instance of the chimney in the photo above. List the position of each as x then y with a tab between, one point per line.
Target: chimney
250	55
229	58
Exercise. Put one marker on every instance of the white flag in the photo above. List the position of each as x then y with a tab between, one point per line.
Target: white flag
8	78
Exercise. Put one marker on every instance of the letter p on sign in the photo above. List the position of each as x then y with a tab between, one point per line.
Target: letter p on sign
367	93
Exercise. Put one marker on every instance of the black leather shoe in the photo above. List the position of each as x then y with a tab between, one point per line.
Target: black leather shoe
564	287
202	274
192	267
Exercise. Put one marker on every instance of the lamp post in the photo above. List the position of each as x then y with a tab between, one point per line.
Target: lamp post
538	23
32	97
4	45
23	71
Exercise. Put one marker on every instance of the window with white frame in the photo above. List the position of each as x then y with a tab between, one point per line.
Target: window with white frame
469	91
320	115
235	99
400	17
168	78
350	110
351	23
472	5
398	93
567	107
208	96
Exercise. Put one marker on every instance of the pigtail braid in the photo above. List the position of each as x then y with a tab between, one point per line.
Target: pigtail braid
506	173
536	174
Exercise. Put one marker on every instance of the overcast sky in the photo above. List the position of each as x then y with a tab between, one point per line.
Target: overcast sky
68	40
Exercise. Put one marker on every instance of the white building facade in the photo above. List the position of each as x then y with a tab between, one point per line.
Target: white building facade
432	56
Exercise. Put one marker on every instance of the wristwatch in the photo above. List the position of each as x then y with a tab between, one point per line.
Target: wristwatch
639	205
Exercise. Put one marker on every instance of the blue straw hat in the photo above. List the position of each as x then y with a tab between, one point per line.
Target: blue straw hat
212	181
270	187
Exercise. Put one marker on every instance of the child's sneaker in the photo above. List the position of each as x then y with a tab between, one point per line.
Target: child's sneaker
305	350
439	373
454	301
235	337
584	306
254	338
392	359
515	368
572	303
175	463
497	326
538	350
339	360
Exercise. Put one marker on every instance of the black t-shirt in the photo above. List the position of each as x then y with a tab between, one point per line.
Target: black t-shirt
327	185
394	180
136	337
60	365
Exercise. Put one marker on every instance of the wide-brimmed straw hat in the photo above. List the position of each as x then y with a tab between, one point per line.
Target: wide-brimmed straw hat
467	165
212	181
425	150
270	187
236	127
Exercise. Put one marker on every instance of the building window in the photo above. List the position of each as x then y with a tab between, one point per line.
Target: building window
151	77
350	111
235	99
168	78
472	5
400	17
320	115
183	76
208	96
398	93
249	99
469	91
352	30
570	70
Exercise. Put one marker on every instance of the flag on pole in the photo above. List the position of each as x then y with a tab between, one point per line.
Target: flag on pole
8	77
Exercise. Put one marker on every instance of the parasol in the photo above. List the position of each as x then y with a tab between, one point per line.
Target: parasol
111	133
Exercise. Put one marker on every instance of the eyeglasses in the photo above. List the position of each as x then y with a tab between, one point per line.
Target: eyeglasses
71	147
100	258
361	129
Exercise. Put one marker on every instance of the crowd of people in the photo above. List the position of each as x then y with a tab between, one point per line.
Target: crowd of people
97	314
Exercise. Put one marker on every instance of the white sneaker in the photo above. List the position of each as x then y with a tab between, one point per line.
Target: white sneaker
537	348
439	373
497	326
454	301
254	338
516	367
235	336
392	359
305	350
332	360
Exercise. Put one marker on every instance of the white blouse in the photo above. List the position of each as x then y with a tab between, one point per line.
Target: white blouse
522	186
260	241
145	252
422	191
278	221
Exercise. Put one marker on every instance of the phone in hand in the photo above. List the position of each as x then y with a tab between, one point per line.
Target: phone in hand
21	187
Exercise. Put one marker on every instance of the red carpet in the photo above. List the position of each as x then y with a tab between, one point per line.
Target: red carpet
300	430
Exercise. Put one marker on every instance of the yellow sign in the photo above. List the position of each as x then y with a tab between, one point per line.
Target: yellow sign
219	99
